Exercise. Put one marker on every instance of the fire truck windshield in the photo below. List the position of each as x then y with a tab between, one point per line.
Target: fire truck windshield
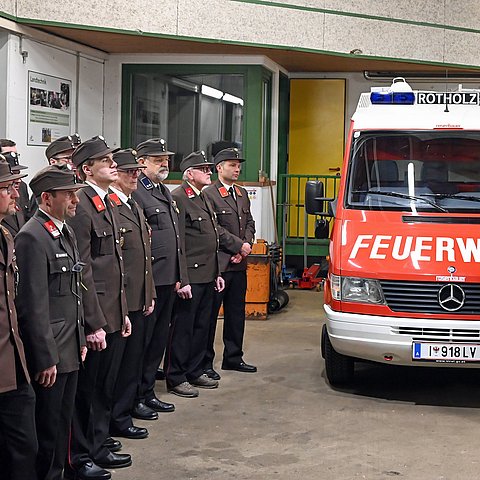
422	170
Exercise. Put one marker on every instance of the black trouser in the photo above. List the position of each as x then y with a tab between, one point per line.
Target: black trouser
93	402
130	374
18	435
189	335
156	338
233	298
53	417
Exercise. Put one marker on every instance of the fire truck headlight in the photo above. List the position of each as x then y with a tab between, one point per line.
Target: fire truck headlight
354	289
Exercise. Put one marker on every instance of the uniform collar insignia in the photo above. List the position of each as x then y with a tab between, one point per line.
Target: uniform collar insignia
114	198
52	229
238	191
190	193
146	182
98	202
223	191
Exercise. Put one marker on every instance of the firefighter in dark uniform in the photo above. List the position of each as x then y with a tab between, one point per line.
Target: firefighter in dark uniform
18	440
160	211
51	317
8	148
190	326
16	221
232	207
59	152
105	309
140	290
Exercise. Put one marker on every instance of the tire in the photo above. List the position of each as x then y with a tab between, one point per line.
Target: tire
282	295
273	305
339	368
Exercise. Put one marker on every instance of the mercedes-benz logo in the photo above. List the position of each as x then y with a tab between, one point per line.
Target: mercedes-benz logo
451	297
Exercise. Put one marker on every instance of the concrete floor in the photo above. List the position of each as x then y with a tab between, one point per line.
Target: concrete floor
285	422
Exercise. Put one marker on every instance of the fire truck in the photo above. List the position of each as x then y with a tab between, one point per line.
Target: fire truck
403	285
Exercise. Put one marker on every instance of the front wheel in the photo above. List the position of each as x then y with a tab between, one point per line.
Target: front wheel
339	368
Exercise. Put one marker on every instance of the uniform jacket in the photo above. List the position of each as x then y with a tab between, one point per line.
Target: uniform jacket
105	303
161	214
201	236
135	243
49	306
10	342
234	215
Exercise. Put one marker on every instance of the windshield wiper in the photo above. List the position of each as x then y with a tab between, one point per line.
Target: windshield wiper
453	195
403	195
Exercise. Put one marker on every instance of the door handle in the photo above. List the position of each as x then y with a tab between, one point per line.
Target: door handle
336	169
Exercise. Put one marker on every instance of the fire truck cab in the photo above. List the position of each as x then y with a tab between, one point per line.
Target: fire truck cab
403	285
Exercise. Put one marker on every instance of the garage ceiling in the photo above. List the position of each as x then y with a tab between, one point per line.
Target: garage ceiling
291	60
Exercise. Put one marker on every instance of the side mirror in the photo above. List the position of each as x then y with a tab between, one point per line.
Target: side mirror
313	192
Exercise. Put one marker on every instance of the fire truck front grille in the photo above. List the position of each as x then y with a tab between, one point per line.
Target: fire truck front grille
445	334
423	297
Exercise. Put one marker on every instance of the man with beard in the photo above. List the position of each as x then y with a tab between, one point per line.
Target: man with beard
161	214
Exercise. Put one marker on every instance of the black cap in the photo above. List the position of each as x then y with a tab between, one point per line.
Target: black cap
6	174
126	159
62	144
195	159
53	178
12	159
228	154
153	147
93	148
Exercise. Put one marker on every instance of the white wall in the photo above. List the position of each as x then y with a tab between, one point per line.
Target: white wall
86	75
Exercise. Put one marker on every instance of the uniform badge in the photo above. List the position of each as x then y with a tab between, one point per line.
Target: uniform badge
223	192
189	191
98	202
238	191
145	181
52	229
114	199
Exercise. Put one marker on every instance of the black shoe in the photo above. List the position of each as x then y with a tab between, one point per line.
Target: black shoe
112	444
211	373
160	375
143	412
114	460
88	471
159	406
239	367
133	432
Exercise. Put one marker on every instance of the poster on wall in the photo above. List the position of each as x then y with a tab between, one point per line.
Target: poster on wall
49	111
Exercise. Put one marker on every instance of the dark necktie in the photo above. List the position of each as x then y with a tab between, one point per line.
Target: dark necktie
68	238
134	209
231	191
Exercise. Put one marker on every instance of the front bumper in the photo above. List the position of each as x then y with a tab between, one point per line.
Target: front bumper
389	339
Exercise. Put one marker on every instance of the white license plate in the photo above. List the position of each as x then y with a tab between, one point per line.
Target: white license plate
446	352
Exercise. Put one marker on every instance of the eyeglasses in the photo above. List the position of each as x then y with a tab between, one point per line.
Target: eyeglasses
10	188
203	169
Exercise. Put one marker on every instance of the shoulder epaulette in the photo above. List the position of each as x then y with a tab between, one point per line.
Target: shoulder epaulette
190	193
98	202
223	191
114	199
52	229
146	182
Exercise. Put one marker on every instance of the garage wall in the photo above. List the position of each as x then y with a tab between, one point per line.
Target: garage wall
428	31
85	73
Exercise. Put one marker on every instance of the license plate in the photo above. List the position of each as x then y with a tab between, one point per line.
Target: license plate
446	352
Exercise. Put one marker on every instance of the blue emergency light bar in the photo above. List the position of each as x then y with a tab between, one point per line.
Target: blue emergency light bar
392	98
